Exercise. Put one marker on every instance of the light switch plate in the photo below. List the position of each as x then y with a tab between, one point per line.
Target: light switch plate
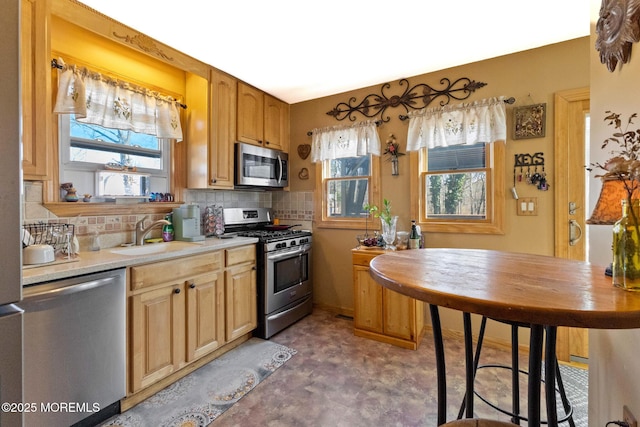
527	206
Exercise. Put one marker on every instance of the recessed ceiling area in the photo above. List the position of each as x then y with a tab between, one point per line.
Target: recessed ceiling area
297	50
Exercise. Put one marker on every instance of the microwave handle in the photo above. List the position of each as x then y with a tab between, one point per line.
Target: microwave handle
280	167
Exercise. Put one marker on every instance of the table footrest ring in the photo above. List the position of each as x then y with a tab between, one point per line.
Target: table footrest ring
566	416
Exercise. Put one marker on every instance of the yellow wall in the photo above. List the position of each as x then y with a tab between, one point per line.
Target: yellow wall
613	355
77	45
531	77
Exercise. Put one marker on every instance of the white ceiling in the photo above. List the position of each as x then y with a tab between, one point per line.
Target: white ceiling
297	50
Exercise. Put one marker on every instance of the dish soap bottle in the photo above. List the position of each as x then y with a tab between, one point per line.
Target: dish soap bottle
167	229
414	237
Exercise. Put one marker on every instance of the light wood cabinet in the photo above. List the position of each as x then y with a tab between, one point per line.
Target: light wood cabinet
382	314
241	291
223	129
205	314
184	309
262	119
276	123
177	318
35	72
211	130
157	348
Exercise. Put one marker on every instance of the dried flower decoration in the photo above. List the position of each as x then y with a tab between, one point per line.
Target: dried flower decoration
624	165
392	147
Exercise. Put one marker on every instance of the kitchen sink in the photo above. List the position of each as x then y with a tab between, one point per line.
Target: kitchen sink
152	248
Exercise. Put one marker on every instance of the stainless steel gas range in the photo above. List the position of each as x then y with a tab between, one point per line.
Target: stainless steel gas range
284	268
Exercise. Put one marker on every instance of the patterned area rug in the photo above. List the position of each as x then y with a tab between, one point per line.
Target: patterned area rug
576	385
199	398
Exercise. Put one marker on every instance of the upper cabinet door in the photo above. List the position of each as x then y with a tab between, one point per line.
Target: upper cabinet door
223	129
250	114
36	90
276	123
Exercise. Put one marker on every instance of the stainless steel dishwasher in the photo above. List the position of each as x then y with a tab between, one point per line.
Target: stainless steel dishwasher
74	347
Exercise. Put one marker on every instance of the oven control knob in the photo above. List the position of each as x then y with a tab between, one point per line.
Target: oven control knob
304	241
293	243
281	245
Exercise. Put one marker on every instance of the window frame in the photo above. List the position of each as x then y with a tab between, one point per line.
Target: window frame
66	165
494	221
66	144
322	220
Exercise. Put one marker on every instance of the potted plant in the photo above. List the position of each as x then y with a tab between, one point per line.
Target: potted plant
387	220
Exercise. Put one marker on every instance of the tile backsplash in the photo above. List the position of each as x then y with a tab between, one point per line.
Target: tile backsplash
115	230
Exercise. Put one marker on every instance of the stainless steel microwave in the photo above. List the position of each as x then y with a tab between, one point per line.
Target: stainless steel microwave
261	167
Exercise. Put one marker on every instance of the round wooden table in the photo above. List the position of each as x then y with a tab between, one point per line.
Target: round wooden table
541	291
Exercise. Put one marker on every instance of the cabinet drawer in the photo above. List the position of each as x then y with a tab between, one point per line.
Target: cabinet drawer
241	255
364	257
157	273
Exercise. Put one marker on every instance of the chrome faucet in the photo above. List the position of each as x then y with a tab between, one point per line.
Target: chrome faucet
141	231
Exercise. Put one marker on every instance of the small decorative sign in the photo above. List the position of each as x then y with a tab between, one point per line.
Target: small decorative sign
530	121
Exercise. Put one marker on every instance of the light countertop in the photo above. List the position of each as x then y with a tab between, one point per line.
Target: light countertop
109	259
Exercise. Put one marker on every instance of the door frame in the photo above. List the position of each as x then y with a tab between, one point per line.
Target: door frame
562	103
567	338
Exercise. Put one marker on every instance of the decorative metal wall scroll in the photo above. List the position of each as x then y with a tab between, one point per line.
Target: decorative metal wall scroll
617	28
414	97
529	121
534	173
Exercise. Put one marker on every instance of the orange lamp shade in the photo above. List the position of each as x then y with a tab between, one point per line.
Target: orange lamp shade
608	208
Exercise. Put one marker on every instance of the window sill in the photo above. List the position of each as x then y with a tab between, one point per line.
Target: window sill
71	209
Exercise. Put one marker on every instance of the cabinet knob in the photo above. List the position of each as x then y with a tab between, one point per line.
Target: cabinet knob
254	268
176	291
213	181
192	285
266	142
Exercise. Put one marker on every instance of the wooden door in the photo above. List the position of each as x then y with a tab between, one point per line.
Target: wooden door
571	111
367	295
158	335
223	129
205	314
241	298
250	114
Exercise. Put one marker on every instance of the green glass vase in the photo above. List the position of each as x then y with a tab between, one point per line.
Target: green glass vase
626	247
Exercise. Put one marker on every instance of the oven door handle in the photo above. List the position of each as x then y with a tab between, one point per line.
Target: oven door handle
288	254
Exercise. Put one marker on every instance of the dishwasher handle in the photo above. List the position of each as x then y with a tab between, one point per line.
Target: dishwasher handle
68	290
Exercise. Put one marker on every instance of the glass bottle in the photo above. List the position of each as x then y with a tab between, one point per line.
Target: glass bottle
626	247
414	236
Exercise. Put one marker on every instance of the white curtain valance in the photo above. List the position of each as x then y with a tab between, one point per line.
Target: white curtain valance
103	101
337	142
482	121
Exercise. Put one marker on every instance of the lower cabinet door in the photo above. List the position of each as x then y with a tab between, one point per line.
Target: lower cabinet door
205	314
157	334
399	315
241	298
367	301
